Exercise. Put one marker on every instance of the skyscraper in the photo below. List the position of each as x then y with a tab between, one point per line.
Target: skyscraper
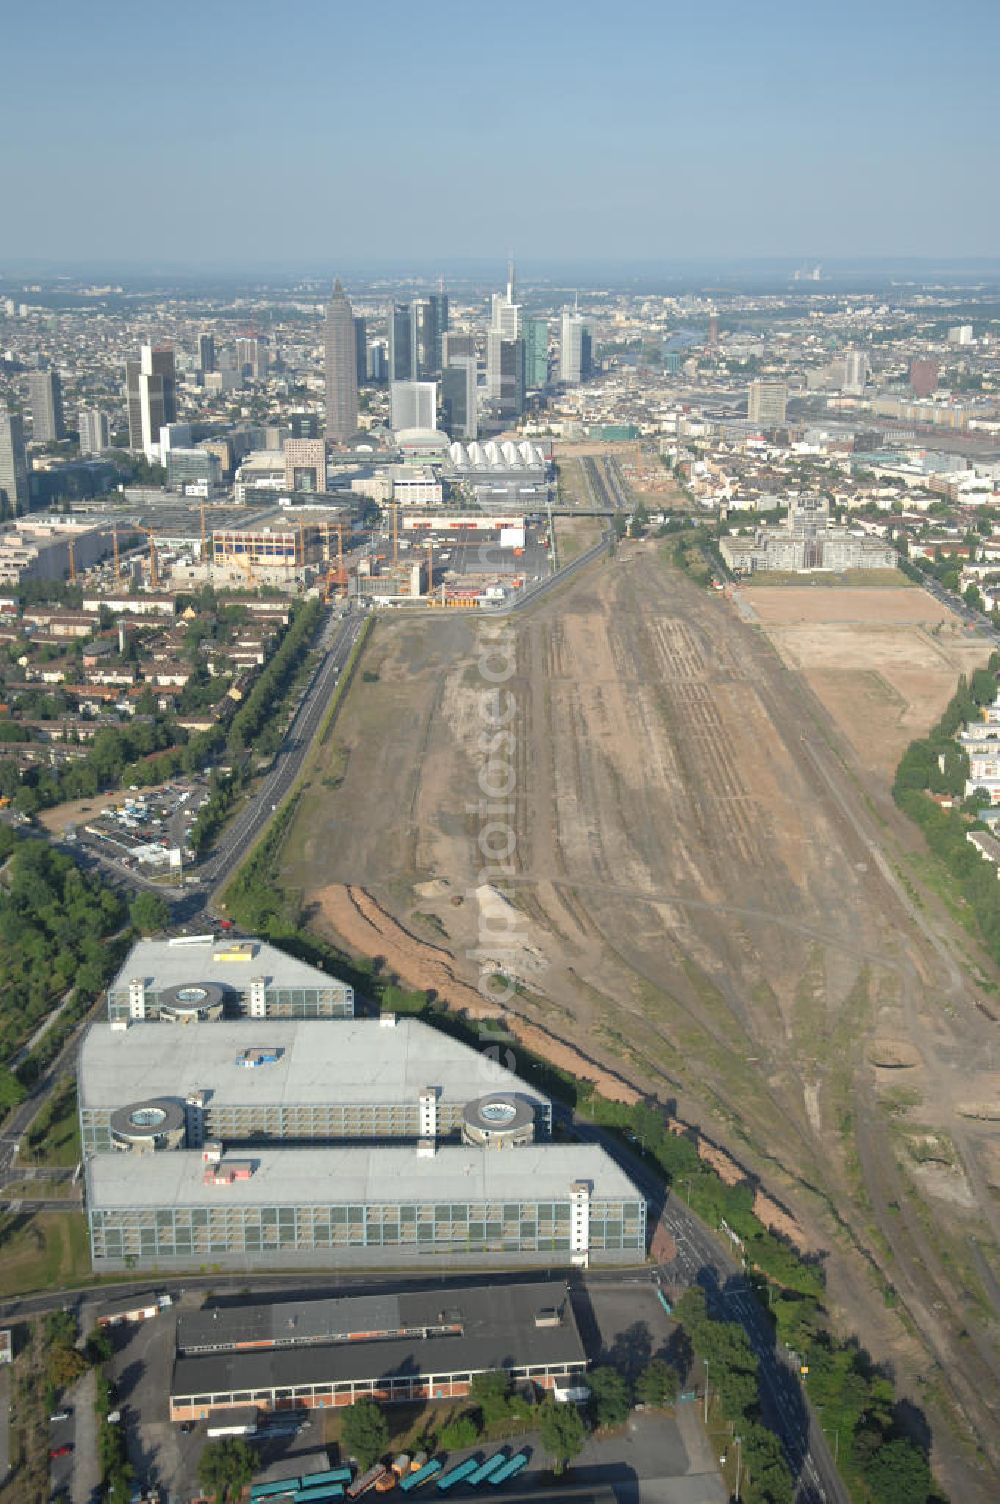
400	343
206	353
536	353
252	357
766	403
95	435
575	348
341	368
151	393
45	397
505	324
361	348
14	497
923	377
713	330
412	404
458	398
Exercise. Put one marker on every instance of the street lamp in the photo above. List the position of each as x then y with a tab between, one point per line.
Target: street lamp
705	1361
739	1464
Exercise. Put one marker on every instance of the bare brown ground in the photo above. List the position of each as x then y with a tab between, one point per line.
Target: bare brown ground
704	906
884	661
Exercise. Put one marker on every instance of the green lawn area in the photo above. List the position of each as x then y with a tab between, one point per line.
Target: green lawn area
54	1136
42	1251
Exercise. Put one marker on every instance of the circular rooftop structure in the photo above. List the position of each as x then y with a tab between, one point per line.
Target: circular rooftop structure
499	1118
193	1000
146	1127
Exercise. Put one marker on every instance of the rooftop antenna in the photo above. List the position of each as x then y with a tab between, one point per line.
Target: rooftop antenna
511	280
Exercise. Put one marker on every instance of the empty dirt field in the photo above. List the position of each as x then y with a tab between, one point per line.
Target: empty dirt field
884	661
699	898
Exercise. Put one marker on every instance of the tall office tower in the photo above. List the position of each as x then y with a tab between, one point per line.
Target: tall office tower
766	403
341	368
412	404
252	357
456	347
428	326
575	348
536	354
855	372
95	435
458	398
305	464
923	377
713	330
45	398
151	392
361	348
378	363
505	324
400	343
14	496
206	353
510	396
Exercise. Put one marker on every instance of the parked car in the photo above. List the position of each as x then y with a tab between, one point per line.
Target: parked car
61	1414
62	1451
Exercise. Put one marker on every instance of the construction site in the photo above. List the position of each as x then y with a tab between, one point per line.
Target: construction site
712	898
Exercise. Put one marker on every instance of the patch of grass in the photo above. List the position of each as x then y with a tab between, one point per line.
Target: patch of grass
43	1251
54	1136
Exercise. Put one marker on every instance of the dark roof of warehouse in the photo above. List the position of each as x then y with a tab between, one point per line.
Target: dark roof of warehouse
498	1331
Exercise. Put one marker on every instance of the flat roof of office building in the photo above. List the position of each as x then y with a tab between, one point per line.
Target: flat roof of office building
351	1318
498	1325
232	963
391	1175
320	1061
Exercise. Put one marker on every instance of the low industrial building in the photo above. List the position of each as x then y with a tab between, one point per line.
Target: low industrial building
418	1345
148	1089
323	1207
194	978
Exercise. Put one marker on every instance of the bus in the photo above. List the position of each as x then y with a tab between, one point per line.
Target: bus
516	1463
463	1470
422	1475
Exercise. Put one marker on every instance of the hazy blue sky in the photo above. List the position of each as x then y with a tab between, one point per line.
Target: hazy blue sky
235	131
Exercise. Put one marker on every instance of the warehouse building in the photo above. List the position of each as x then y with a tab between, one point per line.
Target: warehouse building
418	1345
307	1207
196	978
145	1088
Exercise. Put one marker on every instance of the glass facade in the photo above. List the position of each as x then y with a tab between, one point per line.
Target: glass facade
192	1233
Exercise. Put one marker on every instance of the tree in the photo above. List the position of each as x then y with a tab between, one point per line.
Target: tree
149	912
225	1467
898	1474
365	1432
562	1431
64	1365
657	1384
490	1392
459	1433
609	1397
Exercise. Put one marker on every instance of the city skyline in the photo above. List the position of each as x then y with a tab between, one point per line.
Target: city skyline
675	135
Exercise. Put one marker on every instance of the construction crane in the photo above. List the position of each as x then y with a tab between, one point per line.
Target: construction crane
429	545
114	545
71	546
203	537
394	509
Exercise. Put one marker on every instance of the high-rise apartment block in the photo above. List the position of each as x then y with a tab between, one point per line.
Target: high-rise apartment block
341	368
305	464
14	496
95	434
923	377
575	357
206	353
45	398
766	403
413	404
713	330
252	357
